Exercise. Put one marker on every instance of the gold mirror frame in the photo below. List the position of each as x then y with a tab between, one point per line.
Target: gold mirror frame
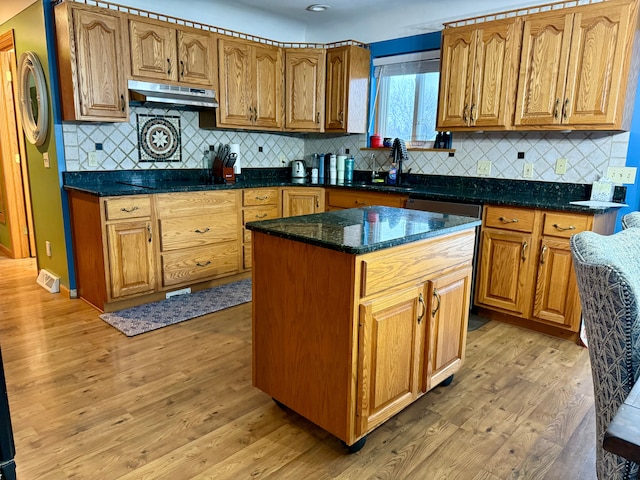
30	77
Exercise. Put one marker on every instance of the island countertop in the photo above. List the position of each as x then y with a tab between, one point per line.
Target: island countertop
363	230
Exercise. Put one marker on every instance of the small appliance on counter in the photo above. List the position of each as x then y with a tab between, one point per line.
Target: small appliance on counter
298	171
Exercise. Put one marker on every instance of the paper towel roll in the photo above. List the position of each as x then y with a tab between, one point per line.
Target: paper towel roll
235	148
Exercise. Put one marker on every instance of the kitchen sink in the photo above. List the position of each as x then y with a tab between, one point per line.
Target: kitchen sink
382	186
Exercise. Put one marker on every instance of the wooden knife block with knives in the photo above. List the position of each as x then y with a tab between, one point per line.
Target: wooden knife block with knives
222	167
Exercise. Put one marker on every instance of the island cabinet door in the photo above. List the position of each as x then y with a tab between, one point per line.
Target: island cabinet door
391	342
448	314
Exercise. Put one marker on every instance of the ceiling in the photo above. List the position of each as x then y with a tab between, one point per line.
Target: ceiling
437	11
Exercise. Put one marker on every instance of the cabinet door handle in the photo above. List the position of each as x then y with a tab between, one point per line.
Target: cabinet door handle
201	231
208	262
563	229
542	253
169	66
182	68
524	250
318	118
129	210
437	296
261	215
565	109
424	307
556	110
341	118
474	113
317	201
149	232
465	114
262	198
122	103
358	202
506	220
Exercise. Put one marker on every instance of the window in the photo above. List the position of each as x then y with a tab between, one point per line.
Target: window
407	96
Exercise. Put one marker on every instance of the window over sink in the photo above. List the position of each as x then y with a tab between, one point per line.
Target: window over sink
406	93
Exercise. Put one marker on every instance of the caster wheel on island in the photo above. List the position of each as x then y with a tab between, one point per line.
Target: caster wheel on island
447	381
356	447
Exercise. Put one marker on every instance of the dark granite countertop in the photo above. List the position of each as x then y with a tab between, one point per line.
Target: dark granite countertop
364	230
534	194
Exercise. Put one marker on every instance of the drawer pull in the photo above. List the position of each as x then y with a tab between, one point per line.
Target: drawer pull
358	202
524	250
542	253
437	296
262	198
505	220
261	215
563	229
201	231
208	262
424	308
129	210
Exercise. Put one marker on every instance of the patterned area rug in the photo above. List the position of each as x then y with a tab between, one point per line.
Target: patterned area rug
151	316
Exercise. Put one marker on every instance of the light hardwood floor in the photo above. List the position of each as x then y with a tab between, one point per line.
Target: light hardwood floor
89	403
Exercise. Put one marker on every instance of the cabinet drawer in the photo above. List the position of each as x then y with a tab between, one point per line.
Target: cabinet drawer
253	214
564	225
389	268
260	196
345	199
200	263
195	203
507	218
127	207
194	231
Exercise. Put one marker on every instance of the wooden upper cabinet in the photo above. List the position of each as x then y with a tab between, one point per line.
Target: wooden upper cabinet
160	51
347	91
477	83
575	66
304	89
251	80
90	47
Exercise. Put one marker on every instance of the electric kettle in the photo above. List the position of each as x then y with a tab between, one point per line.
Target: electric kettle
298	169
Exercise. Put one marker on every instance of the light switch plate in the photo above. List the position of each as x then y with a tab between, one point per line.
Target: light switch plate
561	166
527	172
92	158
45	158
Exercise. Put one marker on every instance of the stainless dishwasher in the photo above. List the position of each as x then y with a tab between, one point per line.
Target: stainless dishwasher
453	208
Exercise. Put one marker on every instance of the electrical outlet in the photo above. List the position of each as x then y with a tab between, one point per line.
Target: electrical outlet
92	158
484	167
47	247
561	166
283	161
622	174
45	158
528	170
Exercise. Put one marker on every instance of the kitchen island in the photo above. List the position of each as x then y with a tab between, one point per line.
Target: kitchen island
359	312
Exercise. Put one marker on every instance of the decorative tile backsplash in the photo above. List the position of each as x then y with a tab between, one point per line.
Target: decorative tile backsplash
588	154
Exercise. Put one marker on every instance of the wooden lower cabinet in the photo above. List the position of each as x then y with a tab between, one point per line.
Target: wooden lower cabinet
348	341
526	268
257	204
131	264
339	199
302	201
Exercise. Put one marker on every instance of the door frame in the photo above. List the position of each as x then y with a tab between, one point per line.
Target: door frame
17	193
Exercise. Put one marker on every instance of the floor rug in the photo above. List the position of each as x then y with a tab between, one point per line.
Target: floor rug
151	316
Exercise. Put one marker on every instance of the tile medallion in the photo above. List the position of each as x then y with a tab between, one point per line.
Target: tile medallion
159	138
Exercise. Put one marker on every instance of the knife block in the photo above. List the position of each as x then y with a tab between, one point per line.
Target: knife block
228	175
222	174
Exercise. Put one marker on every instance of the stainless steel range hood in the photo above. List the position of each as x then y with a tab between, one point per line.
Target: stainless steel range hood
171	96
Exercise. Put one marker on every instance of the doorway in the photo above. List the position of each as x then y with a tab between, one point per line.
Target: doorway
15	196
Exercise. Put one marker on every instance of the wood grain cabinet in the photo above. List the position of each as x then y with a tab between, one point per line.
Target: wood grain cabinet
90	45
340	199
251	85
347	89
478	75
257	204
575	66
114	247
162	51
304	89
199	236
526	269
302	201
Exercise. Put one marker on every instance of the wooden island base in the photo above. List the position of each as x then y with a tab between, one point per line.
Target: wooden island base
349	340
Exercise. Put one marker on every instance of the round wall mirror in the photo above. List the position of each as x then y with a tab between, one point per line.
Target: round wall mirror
32	92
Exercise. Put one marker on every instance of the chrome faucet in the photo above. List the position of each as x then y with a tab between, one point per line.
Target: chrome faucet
399	153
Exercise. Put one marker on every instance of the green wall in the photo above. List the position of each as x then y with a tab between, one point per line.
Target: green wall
46	201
